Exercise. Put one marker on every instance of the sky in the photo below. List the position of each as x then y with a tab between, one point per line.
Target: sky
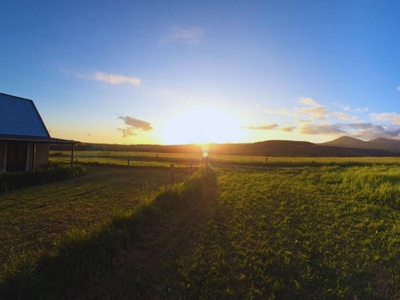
178	72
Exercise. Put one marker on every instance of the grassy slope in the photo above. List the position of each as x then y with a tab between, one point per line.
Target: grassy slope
184	160
32	218
249	234
304	234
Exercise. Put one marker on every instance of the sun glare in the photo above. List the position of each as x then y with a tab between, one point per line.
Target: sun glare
201	125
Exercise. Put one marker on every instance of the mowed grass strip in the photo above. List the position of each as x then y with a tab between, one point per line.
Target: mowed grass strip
299	234
85	261
313	233
32	219
186	159
135	159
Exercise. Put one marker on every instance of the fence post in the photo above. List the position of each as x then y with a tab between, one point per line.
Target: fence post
172	173
129	161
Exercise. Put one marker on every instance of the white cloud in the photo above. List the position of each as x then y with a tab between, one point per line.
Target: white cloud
191	35
348	108
398	88
388	117
107	77
115	79
288	128
263	127
317	129
362	130
312	119
282	111
308	101
134	126
316	110
341	116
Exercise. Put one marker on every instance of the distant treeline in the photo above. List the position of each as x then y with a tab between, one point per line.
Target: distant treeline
266	148
136	148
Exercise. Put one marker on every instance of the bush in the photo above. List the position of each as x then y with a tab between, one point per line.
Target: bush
37	176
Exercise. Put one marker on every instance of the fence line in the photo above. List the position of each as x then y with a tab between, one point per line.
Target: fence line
185	173
179	168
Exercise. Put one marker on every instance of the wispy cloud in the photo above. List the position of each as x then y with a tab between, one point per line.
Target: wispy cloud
115	79
263	127
398	88
308	101
317	129
386	117
314	109
362	130
342	116
191	35
350	109
107	77
312	118
288	128
273	126
135	126
281	111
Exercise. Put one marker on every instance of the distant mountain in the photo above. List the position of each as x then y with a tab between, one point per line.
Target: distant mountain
383	143
348	142
379	143
344	146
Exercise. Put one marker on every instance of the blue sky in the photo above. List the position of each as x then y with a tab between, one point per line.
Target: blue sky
167	72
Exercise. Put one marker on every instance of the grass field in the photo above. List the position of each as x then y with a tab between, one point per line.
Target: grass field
325	232
32	219
185	160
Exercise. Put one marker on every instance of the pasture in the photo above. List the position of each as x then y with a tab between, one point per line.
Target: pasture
186	159
324	232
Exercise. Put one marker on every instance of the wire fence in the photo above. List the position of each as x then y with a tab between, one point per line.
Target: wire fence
180	166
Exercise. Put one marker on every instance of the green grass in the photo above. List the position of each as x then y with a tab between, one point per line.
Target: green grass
324	232
135	159
196	159
81	254
32	218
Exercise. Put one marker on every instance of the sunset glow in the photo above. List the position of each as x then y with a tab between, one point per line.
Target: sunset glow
173	72
200	125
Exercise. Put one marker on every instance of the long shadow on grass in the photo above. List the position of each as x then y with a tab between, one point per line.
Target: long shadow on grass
85	260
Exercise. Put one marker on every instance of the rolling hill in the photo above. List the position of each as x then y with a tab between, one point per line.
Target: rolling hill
344	146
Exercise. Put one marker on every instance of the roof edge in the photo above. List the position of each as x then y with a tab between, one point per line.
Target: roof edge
36	139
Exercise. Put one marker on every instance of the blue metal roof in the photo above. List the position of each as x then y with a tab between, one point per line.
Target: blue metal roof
19	117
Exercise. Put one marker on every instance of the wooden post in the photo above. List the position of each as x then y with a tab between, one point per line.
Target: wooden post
5	156
129	162
172	173
72	155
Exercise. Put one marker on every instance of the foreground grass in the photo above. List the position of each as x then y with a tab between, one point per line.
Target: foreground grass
280	234
313	233
306	234
31	219
82	256
141	159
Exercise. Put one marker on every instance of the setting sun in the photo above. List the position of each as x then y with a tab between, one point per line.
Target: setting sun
201	125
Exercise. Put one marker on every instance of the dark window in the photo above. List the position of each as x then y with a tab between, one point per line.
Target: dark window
16	156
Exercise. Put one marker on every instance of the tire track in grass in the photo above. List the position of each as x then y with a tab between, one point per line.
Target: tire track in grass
147	267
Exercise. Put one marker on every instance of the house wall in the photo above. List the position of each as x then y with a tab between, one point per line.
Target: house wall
42	155
2	155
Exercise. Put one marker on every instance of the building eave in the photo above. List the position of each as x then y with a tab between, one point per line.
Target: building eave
35	139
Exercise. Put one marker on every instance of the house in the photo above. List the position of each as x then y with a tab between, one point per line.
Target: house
24	139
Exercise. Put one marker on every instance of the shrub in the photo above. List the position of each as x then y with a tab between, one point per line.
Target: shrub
37	176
